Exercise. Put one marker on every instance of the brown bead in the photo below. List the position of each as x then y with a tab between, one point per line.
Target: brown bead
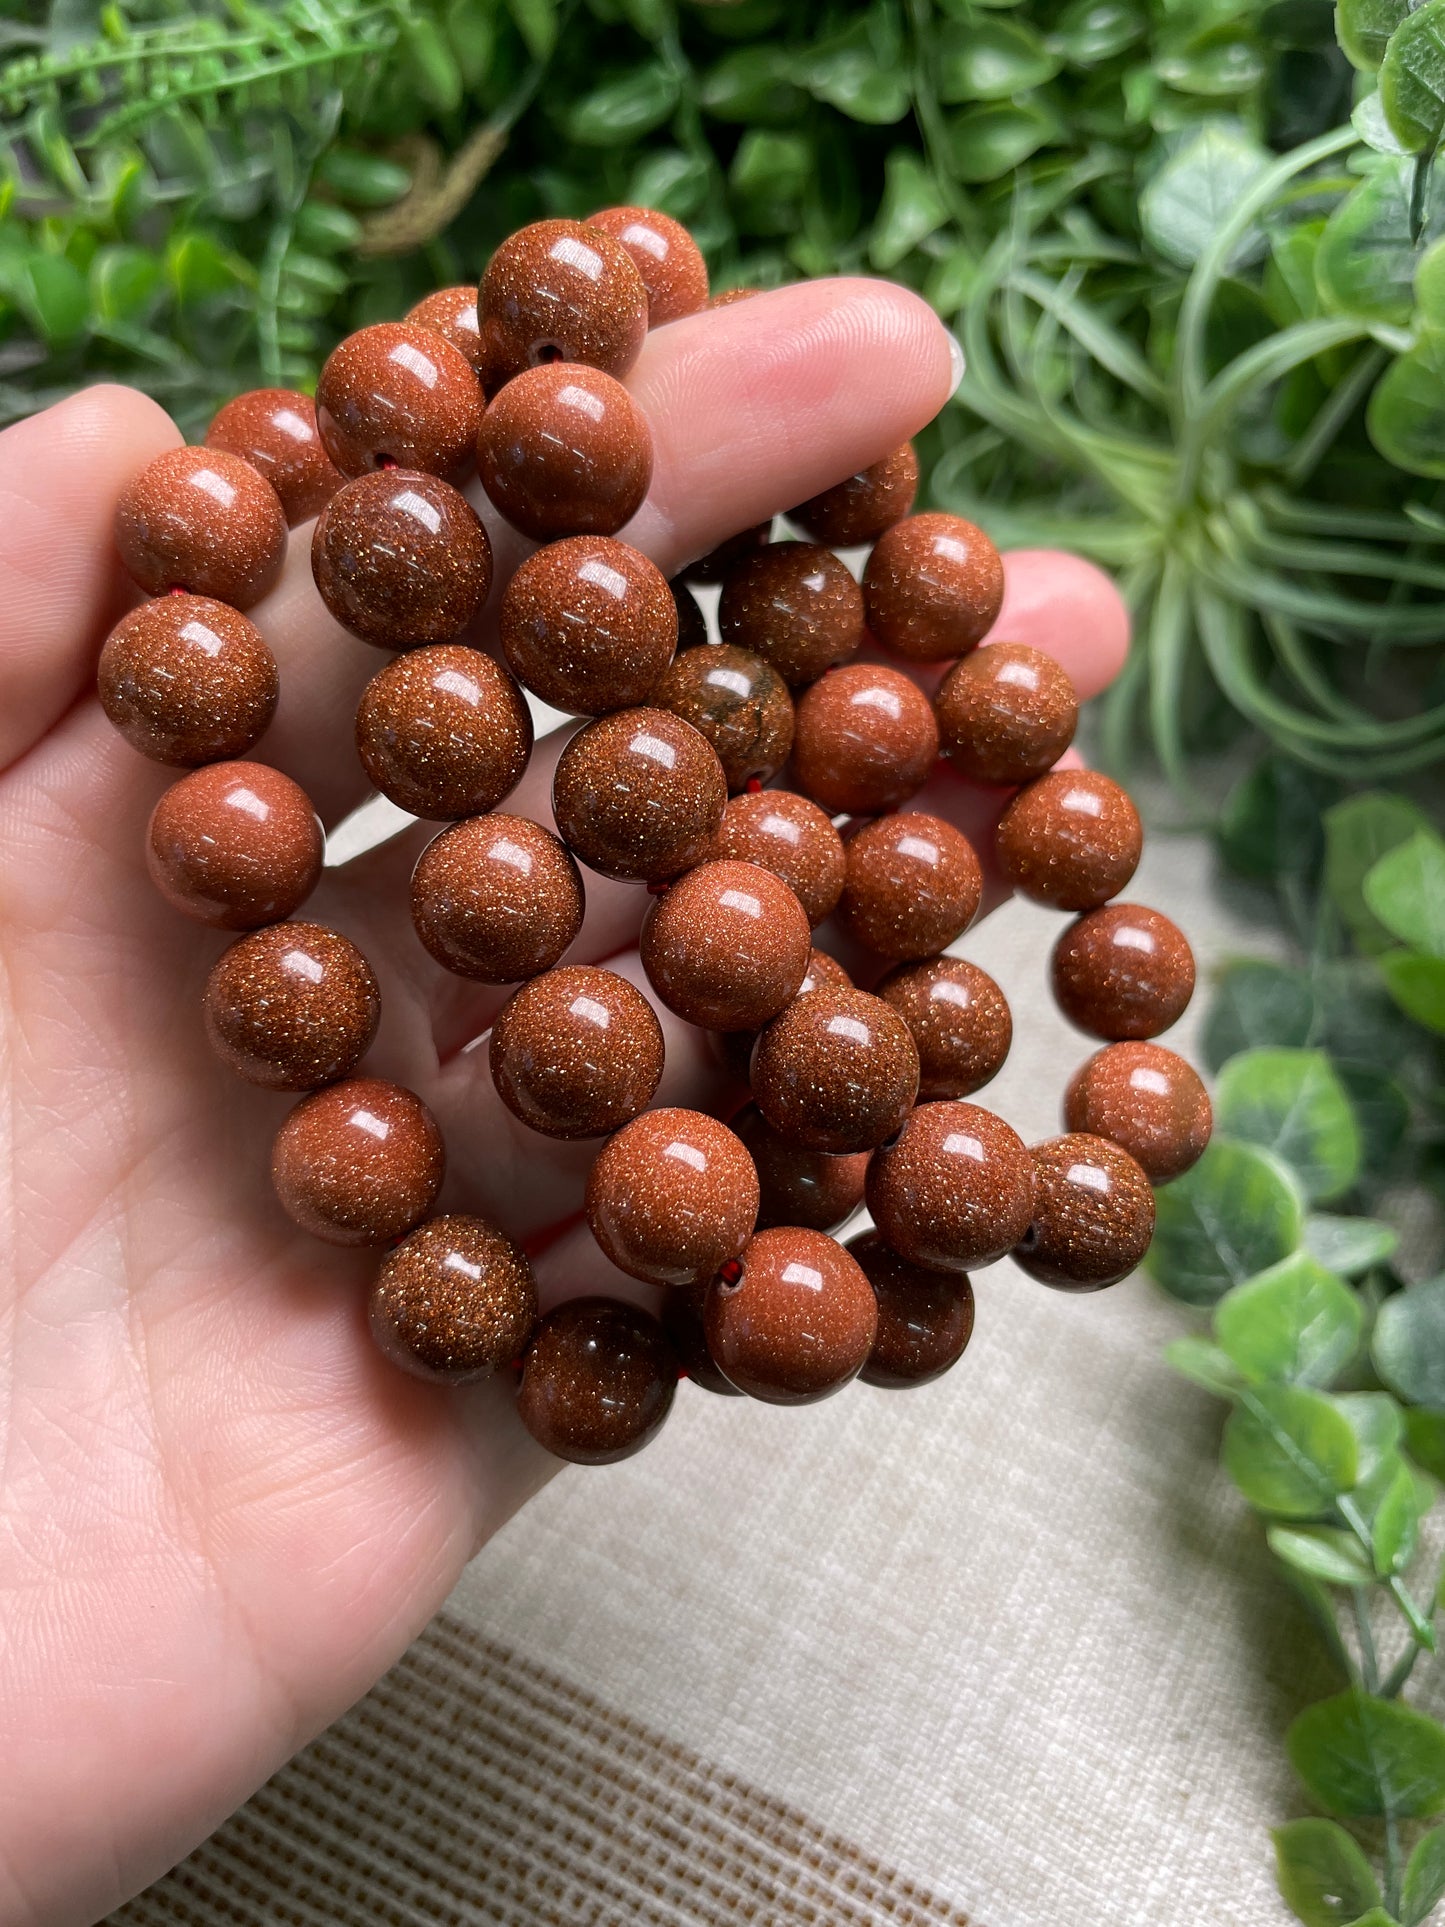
798	1186
1093	1215
1123	971
797	1323
598	1380
672	1196
682	1314
795	605
665	255
793	838
577	1052
1071	839
234	845
452	313
955	1189
691	622
913	885
274	429
397	395
496	898
359	1163
444	732
561	291
565	450
733	1049
454	1301
401	559
1006	714
638	795
719	563
1146	1100
187	680
925	1318
960	1022
933	587
202	520
730	295
837	1071
864	741
739	703
292	1006
860	509
726	947
589	624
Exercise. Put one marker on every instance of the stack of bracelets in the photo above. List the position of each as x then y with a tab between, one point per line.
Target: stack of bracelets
856	1096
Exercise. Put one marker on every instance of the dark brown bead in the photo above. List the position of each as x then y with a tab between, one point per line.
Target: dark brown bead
1093	1215
793	838
444	732
401	559
954	1189
665	255
960	1022
913	885
824	973
234	845
933	587
1146	1100
864	741
359	1163
739	703
691	622
1123	971
860	509
795	605
672	1196
837	1071
598	1381
454	1301
398	394
726	947
1072	839
638	795
798	1322
589	625
561	292
565	450
682	1313
799	1186
187	680
1006	714
203	520
577	1052
925	1318
292	1006
452	313
274	429
719	563
496	898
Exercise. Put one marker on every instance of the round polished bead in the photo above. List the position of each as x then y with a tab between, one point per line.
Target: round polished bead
913	884
720	562
1123	971
234	845
1093	1215
565	450
797	1323
954	1189
960	1022
730	295
691	622
798	1186
589	624
397	394
739	702
1071	839
1006	714
933	587
1146	1100
666	257
727	946
577	1052
274	429
864	741
733	1049
454	1301
452	313
187	680
561	291
292	1006
672	1196
496	898
860	509
925	1318
444	732
792	837
359	1163
824	973
837	1071
795	605
682	1320
203	520
598	1380
638	795
401	559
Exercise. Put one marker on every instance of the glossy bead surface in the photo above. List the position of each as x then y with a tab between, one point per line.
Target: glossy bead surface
691	622
727	946
444	732
559	292
797	1324
202	520
798	1186
454	1301
401	559
739	703
672	1196
274	429
719	563
837	1071
188	680
1123	971
292	1006
1072	839
565	450
795	605
682	1320
589	624
666	257
234	845
860	509
954	1189
1093	1215
398	393
598	1381
913	884
864	740
359	1163
496	898
1148	1101
1006	714
792	837
925	1318
452	313
959	1019
639	795
933	587
577	1052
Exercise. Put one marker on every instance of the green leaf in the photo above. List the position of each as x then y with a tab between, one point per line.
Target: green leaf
1358	832
769	175
755	85
1364	28
912	208
1295	1323
1204	1364
1323	1876
1425	1439
1197	190
1408	1346
1269	826
1362	1757
860	71
1406	890
1376	1917
992	60
434	68
1424	1878
1292	1103
1257	1003
537	21
1406	413
1290	1451
1395	1524
363	180
623	110
1090	31
1378	1425
1349	1246
1366	261
985	143
1368	121
1235	1213
125	283
1412	79
1417	984
1324	1552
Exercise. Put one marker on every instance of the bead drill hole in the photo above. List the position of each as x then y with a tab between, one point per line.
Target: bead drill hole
546	352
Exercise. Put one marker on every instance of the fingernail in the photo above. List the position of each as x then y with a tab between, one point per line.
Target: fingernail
956	362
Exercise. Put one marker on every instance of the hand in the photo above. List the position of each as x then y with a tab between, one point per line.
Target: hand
222	1513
